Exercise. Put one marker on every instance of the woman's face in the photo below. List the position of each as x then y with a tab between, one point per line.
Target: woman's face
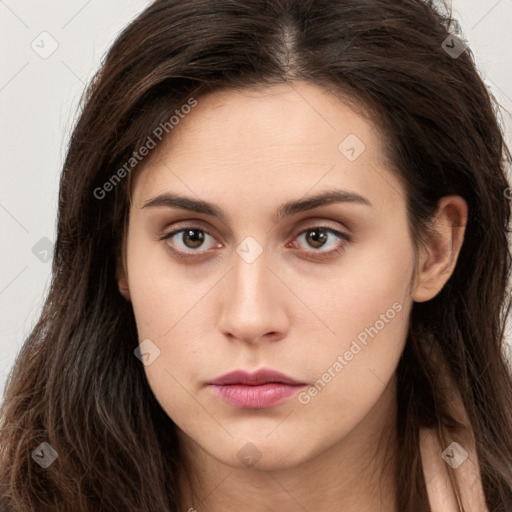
270	275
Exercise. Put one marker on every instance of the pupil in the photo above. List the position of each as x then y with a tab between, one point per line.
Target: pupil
317	235
195	235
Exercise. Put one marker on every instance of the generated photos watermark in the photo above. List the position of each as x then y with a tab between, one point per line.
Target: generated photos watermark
355	348
144	150
45	455
454	455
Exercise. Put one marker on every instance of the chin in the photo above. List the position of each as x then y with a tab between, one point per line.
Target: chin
262	454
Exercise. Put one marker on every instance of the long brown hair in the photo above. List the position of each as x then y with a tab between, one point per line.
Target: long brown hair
76	383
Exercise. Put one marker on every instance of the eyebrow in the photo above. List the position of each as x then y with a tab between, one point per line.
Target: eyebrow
287	209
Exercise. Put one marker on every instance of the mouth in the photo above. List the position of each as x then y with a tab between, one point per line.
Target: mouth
260	390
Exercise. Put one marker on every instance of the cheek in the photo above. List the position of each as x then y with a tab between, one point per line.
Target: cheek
159	294
351	374
169	308
369	281
366	308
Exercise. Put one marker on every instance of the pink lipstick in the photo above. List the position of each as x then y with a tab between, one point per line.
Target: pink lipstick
260	390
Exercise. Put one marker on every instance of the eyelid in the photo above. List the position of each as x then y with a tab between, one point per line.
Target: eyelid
182	225
334	231
188	227
318	255
345	238
182	255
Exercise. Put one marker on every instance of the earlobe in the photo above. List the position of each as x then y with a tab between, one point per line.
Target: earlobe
122	284
438	258
121	275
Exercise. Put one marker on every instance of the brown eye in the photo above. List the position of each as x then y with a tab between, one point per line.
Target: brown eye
316	237
192	238
323	242
189	241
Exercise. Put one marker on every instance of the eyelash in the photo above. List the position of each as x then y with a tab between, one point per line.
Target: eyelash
317	255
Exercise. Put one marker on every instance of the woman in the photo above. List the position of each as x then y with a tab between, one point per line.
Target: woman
280	274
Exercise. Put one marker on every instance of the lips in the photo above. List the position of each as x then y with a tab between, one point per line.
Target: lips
260	390
263	376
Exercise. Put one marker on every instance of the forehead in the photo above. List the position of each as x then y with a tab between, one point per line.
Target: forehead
282	139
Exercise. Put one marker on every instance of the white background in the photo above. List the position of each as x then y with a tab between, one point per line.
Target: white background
38	104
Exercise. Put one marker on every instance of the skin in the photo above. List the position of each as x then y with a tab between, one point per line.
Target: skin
249	152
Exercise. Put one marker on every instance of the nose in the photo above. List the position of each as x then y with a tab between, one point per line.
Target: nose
253	302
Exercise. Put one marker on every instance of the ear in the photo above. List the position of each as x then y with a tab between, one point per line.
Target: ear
121	272
438	257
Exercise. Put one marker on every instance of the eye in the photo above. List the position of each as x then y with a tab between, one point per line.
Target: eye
190	239
330	239
189	242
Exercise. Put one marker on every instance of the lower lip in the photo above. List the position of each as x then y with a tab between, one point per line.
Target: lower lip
255	397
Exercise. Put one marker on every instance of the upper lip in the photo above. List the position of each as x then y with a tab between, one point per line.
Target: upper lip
263	376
